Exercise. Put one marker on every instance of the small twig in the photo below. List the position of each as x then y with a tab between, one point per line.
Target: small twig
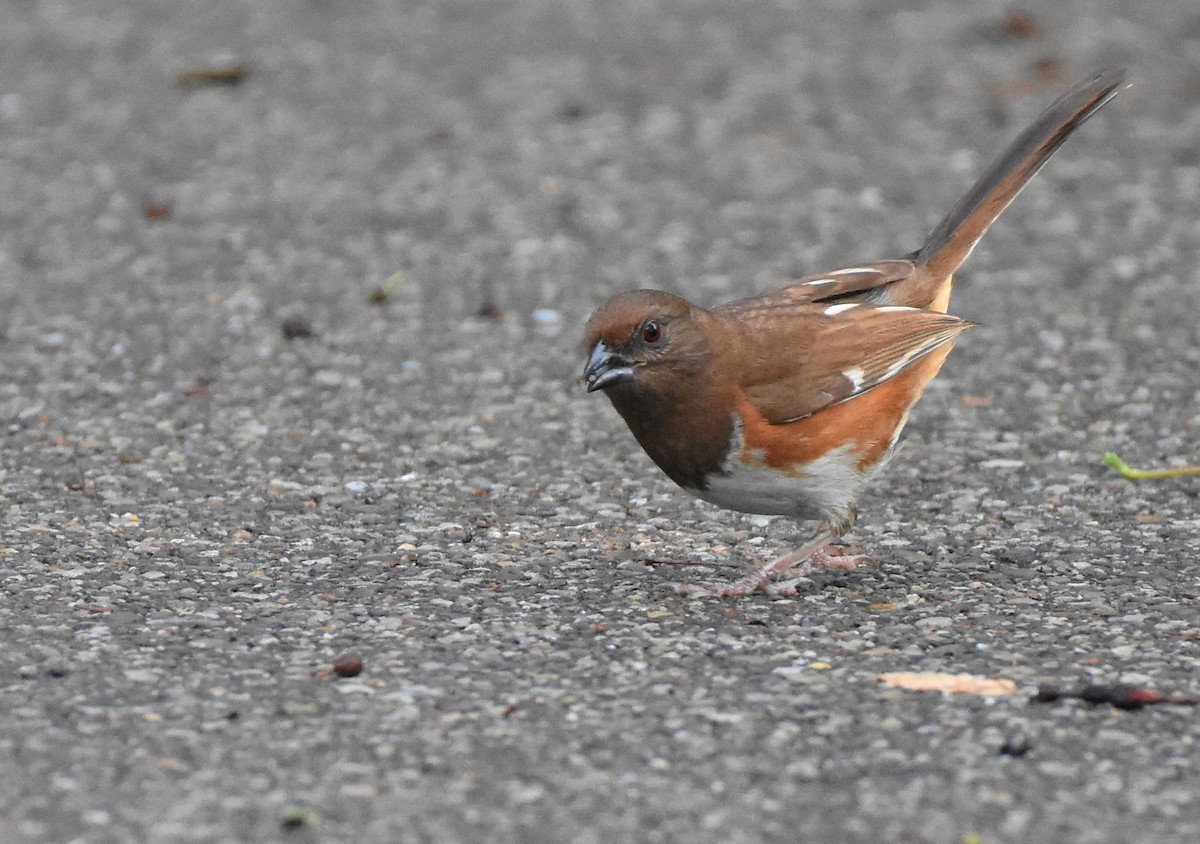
1131	474
1120	696
222	75
383	292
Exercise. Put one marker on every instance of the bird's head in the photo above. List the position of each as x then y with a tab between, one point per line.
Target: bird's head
636	340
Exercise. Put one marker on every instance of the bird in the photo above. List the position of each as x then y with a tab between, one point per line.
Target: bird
787	403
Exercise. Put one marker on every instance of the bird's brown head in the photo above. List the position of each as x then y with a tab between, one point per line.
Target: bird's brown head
639	341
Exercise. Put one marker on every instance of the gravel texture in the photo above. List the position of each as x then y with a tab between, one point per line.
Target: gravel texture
224	468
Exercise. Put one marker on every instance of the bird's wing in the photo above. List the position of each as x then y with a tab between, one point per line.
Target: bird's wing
832	286
819	355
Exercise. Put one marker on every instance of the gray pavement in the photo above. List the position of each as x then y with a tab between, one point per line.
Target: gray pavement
199	515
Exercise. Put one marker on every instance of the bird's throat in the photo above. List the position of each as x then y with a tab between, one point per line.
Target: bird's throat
688	436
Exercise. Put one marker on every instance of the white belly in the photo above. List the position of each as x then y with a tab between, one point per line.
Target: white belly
826	489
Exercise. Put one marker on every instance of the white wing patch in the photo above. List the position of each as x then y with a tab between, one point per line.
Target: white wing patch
856	377
855	271
903	361
834	310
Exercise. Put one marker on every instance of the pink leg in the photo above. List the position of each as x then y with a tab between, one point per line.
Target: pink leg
829	557
811	556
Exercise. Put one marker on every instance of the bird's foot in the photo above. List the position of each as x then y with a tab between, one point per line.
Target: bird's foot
813	556
745	586
834	557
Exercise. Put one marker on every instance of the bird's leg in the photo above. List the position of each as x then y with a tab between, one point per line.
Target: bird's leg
815	554
828	557
761	577
831	556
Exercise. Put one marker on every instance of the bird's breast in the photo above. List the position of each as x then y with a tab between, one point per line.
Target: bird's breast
822	486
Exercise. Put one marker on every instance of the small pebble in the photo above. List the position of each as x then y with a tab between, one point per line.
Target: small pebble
347	666
295	328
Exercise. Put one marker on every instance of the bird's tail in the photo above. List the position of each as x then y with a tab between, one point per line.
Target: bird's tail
955	236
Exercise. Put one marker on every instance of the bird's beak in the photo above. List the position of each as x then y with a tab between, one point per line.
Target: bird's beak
605	368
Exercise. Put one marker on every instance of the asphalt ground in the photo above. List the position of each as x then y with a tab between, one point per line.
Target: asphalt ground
224	467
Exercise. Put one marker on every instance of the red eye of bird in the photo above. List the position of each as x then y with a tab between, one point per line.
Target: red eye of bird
651	332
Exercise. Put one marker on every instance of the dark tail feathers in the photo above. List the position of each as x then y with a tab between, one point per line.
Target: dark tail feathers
952	241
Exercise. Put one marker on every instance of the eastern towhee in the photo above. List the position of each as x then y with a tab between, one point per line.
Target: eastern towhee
787	403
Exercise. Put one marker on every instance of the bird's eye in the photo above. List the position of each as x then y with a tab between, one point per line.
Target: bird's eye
651	332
